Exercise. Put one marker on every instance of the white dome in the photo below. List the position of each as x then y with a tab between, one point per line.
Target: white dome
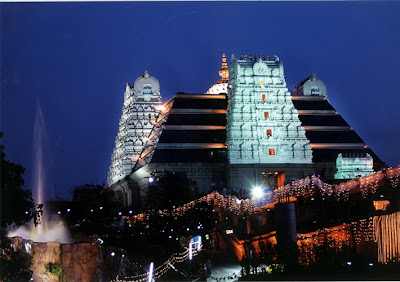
314	87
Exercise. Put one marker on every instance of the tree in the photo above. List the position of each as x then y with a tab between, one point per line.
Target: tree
93	210
16	207
89	196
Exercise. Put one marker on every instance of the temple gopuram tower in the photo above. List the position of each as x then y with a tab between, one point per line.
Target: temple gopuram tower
263	126
142	104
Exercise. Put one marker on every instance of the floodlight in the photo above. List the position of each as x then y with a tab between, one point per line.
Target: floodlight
257	192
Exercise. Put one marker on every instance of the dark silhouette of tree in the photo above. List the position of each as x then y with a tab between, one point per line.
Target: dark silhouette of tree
16	207
93	209
87	195
171	189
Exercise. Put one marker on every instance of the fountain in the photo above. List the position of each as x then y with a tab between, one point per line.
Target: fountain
50	228
50	241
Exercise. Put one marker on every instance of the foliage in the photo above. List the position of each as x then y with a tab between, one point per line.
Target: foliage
14	266
54	268
183	241
16	204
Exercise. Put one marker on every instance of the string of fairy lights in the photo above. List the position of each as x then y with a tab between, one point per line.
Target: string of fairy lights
303	187
384	230
335	237
168	264
230	203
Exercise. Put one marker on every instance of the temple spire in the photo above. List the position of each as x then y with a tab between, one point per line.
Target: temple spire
224	71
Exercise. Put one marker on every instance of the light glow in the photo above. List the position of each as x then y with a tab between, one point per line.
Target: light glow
257	192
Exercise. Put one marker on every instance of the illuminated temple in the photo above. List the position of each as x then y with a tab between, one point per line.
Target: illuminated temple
247	130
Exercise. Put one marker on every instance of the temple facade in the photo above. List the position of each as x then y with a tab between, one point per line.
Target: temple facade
247	130
142	105
262	123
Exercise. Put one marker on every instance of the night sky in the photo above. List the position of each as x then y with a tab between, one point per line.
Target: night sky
74	59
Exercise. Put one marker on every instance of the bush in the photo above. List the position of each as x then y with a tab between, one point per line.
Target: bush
54	268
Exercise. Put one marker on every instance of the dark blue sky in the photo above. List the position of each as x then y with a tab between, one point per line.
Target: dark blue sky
75	58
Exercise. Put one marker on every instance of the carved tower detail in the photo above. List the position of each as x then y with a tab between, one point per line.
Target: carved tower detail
142	105
262	124
222	85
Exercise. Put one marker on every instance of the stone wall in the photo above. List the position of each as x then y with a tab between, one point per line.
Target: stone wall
80	261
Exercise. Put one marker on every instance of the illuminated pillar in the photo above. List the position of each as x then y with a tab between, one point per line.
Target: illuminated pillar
220	214
248	224
280	180
264	218
234	219
151	272
190	251
199	244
